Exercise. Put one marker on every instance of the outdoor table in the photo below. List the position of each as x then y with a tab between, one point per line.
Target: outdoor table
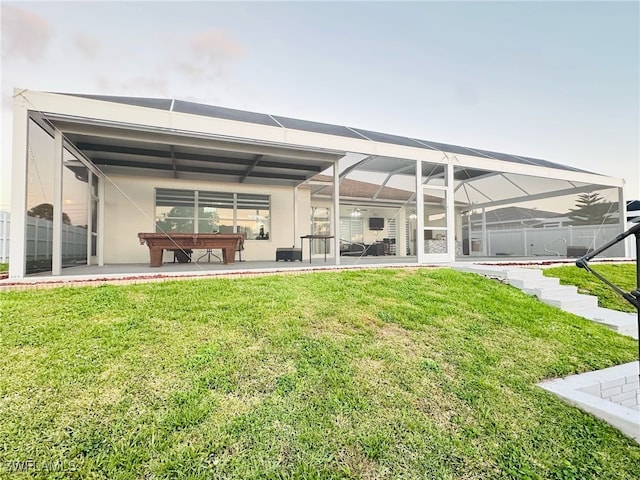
324	238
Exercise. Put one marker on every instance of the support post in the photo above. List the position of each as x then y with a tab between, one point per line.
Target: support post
419	213
336	212
637	236
450	215
484	233
56	256
18	250
295	215
401	237
100	240
622	208
89	216
469	214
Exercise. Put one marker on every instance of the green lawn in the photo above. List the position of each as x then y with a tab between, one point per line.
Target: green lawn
622	275
419	374
4	267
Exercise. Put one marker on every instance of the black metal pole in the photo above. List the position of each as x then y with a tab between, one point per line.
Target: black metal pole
637	292
635	230
632	297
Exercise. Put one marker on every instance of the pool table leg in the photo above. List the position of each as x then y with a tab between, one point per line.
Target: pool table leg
229	255
156	256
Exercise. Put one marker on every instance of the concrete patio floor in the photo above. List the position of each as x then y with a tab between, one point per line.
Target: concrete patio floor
142	272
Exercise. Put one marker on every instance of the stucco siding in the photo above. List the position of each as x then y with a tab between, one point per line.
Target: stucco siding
125	217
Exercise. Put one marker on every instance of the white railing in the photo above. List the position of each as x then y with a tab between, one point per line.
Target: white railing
556	252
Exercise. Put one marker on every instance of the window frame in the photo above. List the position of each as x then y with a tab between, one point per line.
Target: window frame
200	197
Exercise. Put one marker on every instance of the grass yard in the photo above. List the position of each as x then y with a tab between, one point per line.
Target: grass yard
418	374
622	275
4	267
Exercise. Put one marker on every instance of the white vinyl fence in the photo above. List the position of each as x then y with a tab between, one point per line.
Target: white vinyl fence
5	222
552	241
40	239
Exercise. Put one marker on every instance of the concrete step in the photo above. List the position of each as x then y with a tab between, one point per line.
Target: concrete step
486	270
524	274
621	322
565	297
497	271
534	282
561	291
573	303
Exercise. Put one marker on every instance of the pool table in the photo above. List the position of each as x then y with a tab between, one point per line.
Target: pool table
229	243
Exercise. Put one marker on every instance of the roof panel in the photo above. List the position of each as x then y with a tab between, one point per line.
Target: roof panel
316	127
157	103
445	147
503	156
224	113
545	163
388	138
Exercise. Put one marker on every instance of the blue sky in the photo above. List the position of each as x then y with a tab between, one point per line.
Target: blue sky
554	80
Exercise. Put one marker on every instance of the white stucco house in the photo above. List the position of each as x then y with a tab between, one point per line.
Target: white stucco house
90	172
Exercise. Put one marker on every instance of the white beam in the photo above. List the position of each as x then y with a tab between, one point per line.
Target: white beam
336	212
89	216
484	233
101	201
516	185
18	252
538	196
451	215
462	183
58	152
295	215
158	135
622	210
419	213
386	180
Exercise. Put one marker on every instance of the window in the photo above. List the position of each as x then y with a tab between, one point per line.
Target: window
175	211
215	212
351	229
320	225
195	211
253	215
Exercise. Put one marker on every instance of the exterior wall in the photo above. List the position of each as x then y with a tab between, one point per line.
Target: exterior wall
125	218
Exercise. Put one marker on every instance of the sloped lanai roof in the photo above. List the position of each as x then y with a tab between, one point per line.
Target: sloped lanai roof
184	139
318	127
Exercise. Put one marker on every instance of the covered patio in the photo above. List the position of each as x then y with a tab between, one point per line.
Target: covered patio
91	172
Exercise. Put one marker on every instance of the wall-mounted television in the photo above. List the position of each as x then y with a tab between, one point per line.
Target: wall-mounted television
376	223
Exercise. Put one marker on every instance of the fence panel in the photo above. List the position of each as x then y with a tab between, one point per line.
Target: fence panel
553	241
5	225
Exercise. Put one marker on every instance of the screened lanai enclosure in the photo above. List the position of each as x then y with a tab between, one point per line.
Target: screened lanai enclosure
491	214
92	172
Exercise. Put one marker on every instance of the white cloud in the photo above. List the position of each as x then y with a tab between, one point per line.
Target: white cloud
214	47
144	86
24	34
87	45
